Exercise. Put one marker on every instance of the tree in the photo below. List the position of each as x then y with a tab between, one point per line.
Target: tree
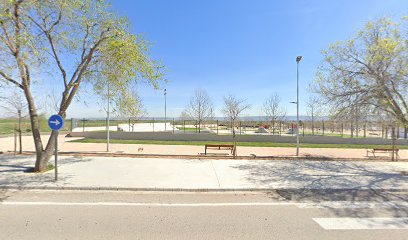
233	108
73	42
131	106
273	111
184	115
312	105
353	116
200	107
15	105
369	71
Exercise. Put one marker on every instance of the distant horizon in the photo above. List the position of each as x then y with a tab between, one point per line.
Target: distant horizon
245	118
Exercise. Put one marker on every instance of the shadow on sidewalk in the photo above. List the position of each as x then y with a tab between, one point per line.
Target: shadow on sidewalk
333	181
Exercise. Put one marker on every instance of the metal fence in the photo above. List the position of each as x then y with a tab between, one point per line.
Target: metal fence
224	127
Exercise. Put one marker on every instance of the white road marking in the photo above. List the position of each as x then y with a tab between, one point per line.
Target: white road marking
347	204
145	204
337	205
362	223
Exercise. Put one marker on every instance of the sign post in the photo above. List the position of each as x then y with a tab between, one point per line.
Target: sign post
56	122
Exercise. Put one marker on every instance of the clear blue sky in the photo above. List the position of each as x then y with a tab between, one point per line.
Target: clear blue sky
246	48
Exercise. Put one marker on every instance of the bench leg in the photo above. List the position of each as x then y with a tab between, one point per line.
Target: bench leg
396	156
368	151
205	152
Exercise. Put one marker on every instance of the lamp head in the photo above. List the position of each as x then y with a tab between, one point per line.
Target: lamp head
298	58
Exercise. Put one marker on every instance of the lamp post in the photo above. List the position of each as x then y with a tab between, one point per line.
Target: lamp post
107	121
19	132
298	58
165	109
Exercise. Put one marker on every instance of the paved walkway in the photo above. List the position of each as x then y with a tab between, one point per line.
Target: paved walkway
156	173
7	144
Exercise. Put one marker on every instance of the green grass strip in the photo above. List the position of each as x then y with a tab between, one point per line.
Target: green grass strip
243	144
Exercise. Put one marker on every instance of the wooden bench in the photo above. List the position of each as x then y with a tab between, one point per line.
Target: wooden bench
384	150
219	147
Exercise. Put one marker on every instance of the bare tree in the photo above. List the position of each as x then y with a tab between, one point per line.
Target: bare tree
313	110
200	107
353	116
233	108
14	103
131	106
184	115
52	103
273	111
16	106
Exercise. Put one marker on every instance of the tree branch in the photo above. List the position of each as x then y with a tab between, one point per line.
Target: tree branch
11	80
395	90
7	39
87	58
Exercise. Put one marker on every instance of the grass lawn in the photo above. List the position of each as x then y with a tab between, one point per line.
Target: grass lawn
189	129
244	144
331	134
7	126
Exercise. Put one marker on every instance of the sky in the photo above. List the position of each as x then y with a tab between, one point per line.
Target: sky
244	48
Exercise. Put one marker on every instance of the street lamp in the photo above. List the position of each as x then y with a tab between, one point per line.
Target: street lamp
165	109
19	131
107	120
298	58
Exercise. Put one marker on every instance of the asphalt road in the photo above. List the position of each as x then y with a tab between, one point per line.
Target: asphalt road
133	215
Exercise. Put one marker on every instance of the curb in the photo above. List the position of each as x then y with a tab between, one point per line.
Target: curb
13	187
215	157
139	189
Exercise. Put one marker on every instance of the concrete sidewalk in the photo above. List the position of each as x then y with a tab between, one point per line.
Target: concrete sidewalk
194	174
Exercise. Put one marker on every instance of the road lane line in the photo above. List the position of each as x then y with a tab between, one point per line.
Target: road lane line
329	205
144	204
362	223
352	205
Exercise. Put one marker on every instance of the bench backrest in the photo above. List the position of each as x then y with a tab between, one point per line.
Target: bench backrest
221	145
385	149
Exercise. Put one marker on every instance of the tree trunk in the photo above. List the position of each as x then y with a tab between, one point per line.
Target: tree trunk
234	153
35	127
199	126
42	155
41	164
313	124
351	129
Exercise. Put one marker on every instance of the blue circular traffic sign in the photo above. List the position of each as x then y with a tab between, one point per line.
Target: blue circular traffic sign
55	122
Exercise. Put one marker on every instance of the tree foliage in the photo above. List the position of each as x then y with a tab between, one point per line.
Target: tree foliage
70	43
368	72
131	106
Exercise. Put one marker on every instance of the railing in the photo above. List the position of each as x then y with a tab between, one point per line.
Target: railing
223	127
